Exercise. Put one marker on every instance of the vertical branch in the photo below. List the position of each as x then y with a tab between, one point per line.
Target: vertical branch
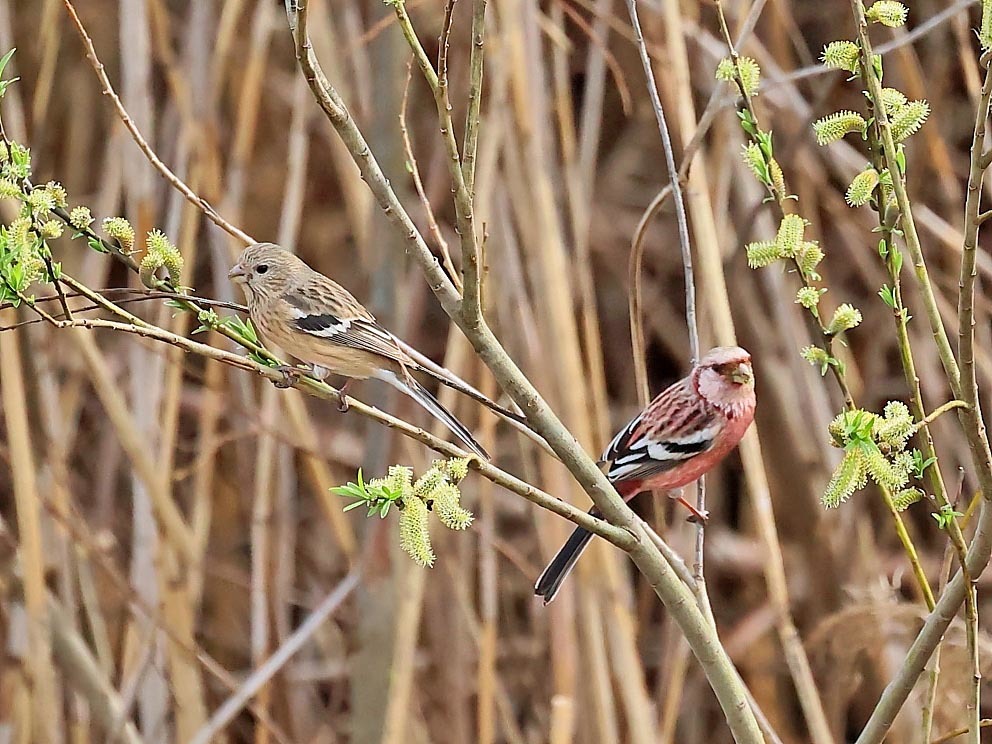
351	136
966	357
673	174
686	248
473	118
471	305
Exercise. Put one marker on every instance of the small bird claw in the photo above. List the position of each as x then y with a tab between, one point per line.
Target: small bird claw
696	516
290	376
342	397
699	517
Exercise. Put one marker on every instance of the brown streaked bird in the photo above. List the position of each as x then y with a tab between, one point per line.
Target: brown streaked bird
319	322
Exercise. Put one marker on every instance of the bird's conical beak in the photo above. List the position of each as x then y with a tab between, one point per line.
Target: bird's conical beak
238	275
743	374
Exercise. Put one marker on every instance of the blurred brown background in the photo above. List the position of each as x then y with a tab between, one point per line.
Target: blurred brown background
569	159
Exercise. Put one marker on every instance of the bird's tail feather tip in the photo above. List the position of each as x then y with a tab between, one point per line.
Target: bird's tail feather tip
551	579
426	399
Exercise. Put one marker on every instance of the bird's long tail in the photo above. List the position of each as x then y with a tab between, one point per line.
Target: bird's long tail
550	580
425	398
552	577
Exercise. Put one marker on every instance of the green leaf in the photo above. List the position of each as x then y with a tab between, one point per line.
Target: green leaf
887	295
901	159
5	59
97	245
896	262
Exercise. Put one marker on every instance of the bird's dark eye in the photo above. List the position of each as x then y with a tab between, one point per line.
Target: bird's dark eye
261	268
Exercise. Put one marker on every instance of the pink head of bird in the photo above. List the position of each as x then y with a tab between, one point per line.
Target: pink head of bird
725	379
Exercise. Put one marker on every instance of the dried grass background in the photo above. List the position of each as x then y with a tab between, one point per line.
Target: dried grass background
569	160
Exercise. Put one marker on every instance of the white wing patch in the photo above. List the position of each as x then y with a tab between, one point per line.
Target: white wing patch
323	326
647	456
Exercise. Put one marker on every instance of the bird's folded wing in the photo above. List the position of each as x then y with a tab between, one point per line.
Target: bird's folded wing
674	428
356	333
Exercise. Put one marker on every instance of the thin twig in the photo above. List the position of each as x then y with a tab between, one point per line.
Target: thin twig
938	412
954	734
686	248
164	170
231	707
969	379
418	183
635	300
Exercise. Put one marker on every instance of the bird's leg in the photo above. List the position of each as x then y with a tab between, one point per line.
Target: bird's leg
342	399
290	376
697	517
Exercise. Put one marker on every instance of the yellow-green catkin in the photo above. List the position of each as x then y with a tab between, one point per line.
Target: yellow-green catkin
447	506
885	472
41	201
415	536
761	254
893	100
754	159
58	194
778	177
896	427
158	244
808	297
790	235
814	355
399	478
456	468
841	55
51	229
905	498
887	12
19	234
985	30
749	70
846	317
862	187
150	263
837	125
908	120
428	482
808	257
850	476
9	189
80	218
120	230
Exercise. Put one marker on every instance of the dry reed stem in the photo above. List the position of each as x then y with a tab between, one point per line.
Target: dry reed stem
279	658
46	720
83	670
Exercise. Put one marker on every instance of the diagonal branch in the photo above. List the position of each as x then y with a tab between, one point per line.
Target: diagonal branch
675	595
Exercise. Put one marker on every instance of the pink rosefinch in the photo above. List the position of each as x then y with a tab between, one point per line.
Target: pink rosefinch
319	322
680	436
